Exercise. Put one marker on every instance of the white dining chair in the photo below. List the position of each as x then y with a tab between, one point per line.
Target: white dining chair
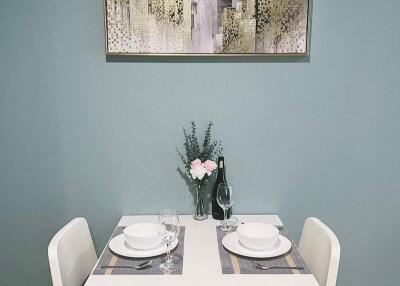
71	254
320	249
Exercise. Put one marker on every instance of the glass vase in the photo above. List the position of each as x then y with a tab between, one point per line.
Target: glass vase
200	211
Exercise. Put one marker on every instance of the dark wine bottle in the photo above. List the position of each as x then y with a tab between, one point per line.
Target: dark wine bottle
217	211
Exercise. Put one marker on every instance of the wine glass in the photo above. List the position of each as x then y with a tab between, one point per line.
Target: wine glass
224	199
168	228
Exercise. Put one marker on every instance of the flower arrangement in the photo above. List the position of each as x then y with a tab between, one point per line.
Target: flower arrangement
199	162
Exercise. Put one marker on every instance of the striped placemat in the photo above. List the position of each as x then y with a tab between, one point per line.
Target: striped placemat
232	263
111	259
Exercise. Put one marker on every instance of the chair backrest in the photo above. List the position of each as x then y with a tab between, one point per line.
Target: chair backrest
71	254
320	249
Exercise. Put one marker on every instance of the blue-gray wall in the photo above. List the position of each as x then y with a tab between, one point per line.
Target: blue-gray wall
80	136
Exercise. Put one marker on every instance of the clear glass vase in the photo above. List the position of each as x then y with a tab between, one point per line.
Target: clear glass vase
200	211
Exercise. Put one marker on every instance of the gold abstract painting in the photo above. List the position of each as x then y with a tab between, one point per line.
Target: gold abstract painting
206	27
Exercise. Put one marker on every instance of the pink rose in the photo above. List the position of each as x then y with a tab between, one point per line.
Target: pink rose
195	164
210	166
197	169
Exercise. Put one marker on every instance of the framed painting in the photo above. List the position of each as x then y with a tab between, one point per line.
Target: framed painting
207	27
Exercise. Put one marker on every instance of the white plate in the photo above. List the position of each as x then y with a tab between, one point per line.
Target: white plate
118	246
232	243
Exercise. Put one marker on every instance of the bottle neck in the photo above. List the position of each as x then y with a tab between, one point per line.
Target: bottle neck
221	170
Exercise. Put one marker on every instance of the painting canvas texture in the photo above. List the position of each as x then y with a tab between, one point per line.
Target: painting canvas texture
206	26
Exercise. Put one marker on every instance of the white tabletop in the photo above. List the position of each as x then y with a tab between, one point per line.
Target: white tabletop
201	265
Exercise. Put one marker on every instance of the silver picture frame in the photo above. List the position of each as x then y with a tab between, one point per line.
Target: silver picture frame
305	53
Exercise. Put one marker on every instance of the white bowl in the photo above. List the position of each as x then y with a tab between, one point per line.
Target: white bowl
142	235
258	235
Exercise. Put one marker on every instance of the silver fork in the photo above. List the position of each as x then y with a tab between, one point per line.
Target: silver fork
262	267
140	266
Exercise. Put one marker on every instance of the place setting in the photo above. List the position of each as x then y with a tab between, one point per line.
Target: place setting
146	248
256	247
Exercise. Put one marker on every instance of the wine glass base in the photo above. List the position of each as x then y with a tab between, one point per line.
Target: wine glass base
233	221
226	227
171	265
200	217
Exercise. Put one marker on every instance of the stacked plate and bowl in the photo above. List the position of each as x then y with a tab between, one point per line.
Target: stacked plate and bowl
257	240
140	240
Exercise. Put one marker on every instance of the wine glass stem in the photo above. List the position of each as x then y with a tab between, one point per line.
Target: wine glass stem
225	214
168	253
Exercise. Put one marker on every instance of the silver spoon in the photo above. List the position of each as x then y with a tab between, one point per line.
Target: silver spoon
140	266
260	266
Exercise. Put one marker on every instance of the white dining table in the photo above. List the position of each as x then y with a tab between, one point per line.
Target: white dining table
201	262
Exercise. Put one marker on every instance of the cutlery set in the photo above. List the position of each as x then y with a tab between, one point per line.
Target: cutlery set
140	266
